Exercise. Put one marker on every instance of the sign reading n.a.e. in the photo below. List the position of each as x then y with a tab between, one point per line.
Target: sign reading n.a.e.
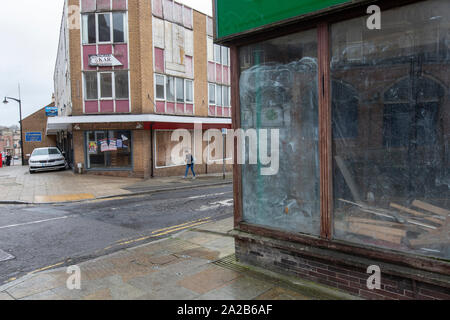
238	16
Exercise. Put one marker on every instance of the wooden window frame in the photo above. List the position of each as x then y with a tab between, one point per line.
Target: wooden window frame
326	239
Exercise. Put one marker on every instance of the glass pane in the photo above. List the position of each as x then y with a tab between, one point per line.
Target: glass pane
109	149
225	56
104	27
226	96
96	157
106	85
159	87
189	91
170	89
279	92
212	94
89	34
180	90
121	84
119	28
391	130
217	53
218	95
91	85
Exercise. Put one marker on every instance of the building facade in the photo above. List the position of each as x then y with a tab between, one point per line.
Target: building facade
34	131
363	113
131	73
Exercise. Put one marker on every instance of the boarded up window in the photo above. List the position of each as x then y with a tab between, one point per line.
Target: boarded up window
157	8
189	42
178	13
187	17
172	153
168	10
158	33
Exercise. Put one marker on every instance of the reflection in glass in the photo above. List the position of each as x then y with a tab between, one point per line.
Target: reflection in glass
278	90
391	129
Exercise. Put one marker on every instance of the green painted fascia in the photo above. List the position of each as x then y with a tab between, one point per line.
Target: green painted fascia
237	16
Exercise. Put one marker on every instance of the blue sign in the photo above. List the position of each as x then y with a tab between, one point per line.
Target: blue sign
33	137
51	111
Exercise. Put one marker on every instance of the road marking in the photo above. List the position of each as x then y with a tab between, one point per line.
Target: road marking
33	222
64	198
178	229
215	205
46	268
209	195
180	225
162	232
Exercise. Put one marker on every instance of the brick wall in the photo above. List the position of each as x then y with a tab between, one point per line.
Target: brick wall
75	67
342	276
200	65
37	122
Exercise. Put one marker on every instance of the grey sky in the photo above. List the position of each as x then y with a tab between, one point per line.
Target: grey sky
30	33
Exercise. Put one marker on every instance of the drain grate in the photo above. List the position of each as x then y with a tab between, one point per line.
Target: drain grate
5	256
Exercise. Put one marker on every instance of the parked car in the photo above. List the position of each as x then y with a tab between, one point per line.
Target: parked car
47	159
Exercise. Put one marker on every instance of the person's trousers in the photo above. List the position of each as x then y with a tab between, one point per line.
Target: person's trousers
187	169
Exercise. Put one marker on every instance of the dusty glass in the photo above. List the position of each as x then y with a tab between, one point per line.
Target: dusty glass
278	91
391	129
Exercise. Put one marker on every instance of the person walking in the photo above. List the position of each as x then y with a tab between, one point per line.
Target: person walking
189	164
8	159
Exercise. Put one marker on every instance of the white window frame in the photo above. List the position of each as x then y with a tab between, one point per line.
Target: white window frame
164	84
113	85
85	86
185	91
111	29
185	102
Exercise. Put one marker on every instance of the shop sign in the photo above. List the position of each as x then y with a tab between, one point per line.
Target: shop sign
51	111
103	60
33	137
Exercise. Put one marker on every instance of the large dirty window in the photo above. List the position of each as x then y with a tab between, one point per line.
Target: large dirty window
391	130
109	149
170	147
278	93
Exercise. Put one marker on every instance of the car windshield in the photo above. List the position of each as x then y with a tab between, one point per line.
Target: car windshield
45	152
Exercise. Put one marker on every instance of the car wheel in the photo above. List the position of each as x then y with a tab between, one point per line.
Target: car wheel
31	171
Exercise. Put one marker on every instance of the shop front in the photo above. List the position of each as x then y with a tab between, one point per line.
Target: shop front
363	115
143	146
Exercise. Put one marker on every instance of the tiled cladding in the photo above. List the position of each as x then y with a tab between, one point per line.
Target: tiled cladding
217	111
164	107
103	5
173	12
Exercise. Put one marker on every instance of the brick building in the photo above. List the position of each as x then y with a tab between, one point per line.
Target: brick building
130	73
364	128
35	126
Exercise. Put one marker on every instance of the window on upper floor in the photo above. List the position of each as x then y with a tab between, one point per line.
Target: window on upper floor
219	95
104	28
173	89
106	85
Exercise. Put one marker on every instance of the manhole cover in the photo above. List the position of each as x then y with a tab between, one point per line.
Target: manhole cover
4	256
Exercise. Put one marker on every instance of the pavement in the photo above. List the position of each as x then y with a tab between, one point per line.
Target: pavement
19	186
197	264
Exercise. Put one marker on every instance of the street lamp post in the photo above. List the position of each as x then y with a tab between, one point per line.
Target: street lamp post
21	132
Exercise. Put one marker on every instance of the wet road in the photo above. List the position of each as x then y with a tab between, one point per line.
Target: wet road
42	236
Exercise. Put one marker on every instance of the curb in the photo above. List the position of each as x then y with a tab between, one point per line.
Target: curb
126	195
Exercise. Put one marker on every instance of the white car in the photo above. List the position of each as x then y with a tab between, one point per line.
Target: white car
45	159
